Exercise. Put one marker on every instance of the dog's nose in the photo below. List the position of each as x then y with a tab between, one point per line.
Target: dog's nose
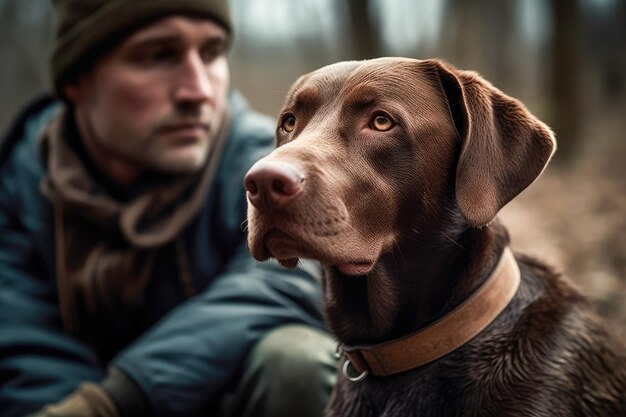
273	185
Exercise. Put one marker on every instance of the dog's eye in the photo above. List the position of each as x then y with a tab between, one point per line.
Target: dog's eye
289	123
381	122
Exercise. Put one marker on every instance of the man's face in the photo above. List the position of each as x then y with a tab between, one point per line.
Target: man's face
156	101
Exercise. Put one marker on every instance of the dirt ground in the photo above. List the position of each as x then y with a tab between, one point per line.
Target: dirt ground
574	217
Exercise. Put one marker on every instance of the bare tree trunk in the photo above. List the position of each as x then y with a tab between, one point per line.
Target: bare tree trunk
461	35
503	46
23	56
365	32
566	76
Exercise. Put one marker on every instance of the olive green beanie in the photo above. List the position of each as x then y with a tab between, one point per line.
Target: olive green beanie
85	29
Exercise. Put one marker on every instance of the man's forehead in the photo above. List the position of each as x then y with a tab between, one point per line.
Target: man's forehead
178	27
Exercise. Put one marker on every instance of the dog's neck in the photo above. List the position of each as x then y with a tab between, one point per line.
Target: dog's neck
412	286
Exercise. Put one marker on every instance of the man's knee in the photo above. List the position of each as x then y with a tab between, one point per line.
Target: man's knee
298	350
291	371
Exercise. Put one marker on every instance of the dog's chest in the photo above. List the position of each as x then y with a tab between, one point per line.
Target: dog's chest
424	394
469	382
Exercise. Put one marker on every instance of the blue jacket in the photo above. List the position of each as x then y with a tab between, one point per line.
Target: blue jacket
183	353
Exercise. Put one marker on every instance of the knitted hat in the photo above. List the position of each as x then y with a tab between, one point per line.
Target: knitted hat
85	29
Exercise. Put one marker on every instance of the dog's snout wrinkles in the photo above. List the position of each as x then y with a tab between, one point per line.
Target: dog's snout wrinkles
273	185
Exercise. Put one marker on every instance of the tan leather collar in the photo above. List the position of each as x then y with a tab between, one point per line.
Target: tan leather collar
444	335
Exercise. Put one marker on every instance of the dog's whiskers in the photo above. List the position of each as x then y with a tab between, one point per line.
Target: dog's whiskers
399	250
453	241
418	238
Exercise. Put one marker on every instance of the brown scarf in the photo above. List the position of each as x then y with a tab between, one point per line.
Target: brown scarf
106	249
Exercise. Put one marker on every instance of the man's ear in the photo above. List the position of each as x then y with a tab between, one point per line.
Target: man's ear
504	148
73	93
74	90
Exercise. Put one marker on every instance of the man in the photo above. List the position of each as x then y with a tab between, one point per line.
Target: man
125	285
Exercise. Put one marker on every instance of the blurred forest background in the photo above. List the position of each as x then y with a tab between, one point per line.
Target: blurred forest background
565	59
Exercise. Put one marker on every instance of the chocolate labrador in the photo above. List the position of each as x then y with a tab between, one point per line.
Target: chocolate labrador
391	172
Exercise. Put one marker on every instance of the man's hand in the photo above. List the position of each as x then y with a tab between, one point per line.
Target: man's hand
89	400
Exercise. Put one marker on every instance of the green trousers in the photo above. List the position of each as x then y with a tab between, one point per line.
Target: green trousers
289	373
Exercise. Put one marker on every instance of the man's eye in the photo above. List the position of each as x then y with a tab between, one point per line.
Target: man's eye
211	53
155	56
165	55
381	122
289	123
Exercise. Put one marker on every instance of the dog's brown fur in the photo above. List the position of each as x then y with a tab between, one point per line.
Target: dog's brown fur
413	208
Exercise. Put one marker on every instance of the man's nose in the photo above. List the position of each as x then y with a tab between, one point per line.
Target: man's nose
194	83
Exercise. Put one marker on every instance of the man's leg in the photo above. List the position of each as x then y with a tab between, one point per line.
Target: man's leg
291	372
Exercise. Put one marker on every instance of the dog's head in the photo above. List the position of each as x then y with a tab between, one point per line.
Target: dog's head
371	151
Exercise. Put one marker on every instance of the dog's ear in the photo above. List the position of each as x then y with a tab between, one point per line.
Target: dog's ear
504	148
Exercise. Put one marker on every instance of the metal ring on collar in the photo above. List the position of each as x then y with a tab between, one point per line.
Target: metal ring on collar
338	351
357	378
